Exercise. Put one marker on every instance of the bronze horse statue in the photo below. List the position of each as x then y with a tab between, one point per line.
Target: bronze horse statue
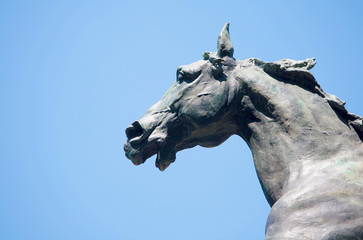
307	148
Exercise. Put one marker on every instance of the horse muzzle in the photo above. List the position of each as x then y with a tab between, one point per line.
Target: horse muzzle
138	148
148	137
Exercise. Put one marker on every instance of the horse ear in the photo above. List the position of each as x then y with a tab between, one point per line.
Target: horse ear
224	44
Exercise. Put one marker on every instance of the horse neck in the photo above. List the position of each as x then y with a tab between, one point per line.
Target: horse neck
286	127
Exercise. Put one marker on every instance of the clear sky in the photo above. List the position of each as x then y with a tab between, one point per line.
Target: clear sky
75	74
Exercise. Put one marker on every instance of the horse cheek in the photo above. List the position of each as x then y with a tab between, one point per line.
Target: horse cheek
201	111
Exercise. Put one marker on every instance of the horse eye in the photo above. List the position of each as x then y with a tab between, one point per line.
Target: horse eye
180	75
187	76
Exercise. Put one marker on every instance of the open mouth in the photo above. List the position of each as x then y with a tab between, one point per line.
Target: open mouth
164	157
140	146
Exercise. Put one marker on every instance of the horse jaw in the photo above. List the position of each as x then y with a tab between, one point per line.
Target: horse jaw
149	136
165	155
164	158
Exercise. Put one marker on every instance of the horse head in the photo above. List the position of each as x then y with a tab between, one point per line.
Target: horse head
196	110
306	146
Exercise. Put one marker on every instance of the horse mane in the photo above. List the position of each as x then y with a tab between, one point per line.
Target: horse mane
297	72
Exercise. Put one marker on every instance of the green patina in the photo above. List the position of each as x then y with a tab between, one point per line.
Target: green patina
301	104
217	99
350	168
341	161
273	88
349	172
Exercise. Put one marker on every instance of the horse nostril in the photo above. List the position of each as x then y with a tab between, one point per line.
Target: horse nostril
134	130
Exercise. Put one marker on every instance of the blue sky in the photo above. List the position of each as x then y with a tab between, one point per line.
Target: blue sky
75	74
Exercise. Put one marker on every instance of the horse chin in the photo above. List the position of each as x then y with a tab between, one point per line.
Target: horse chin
164	158
165	154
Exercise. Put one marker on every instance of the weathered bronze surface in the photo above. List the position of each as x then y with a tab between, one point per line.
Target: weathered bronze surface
306	146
